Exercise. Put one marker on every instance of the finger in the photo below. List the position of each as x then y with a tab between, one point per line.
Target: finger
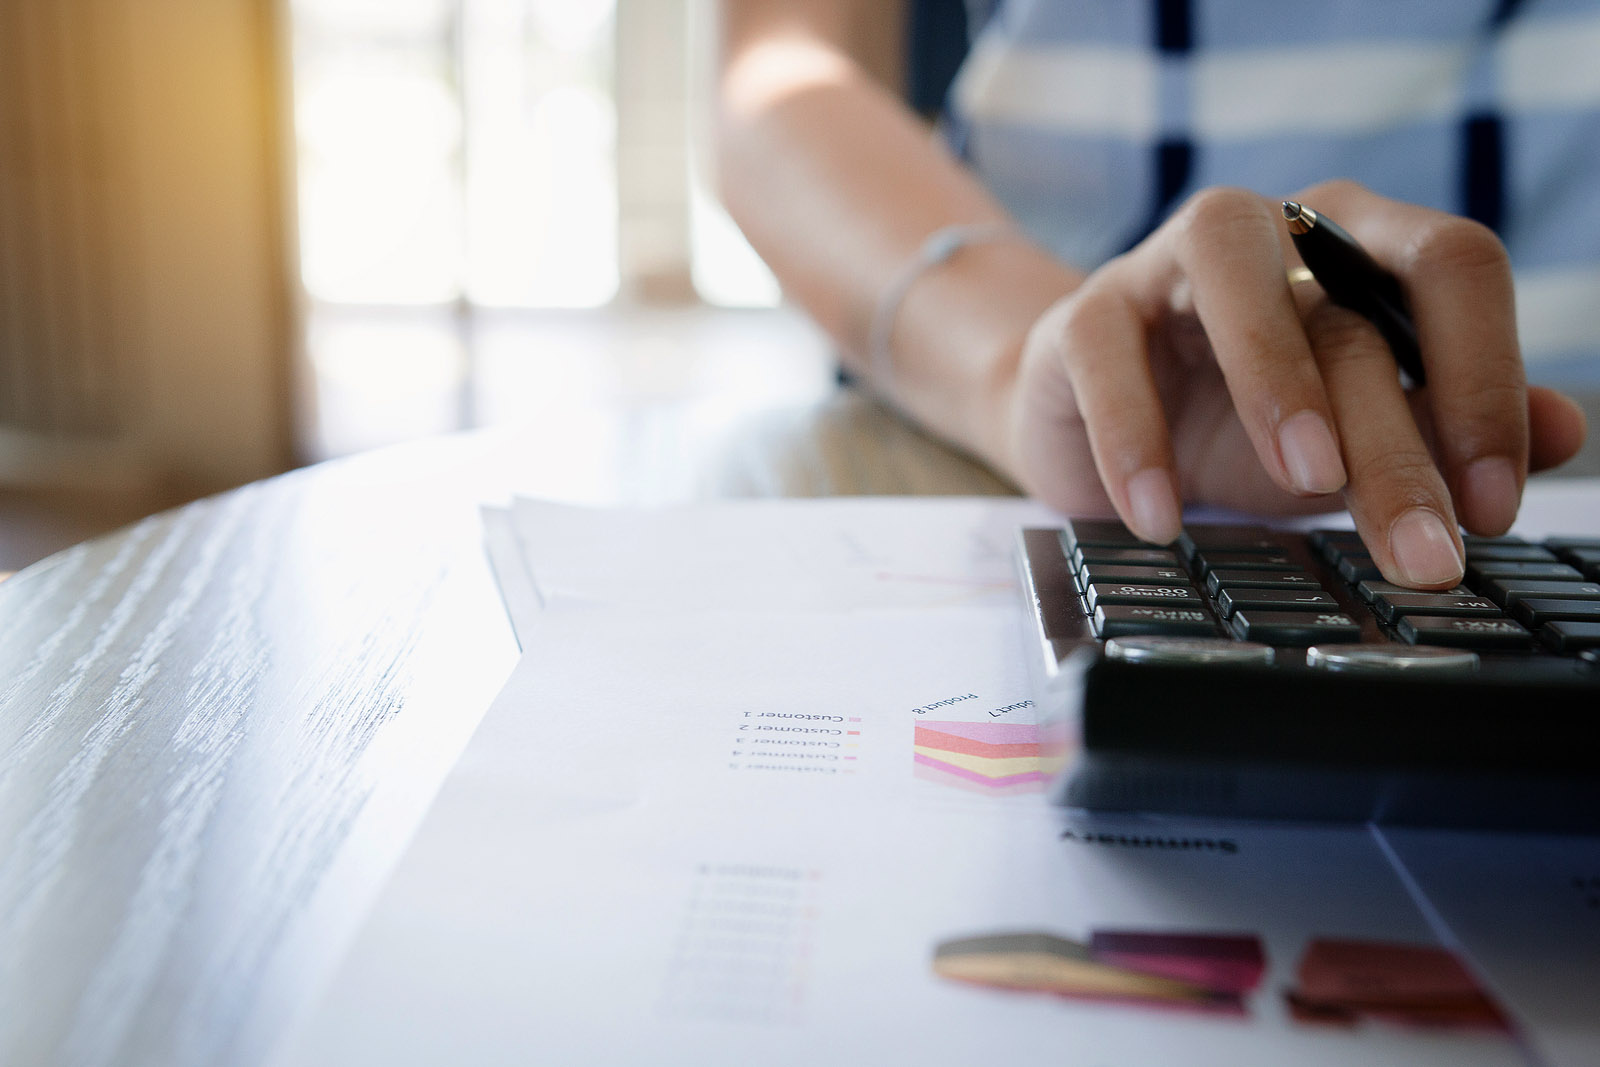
1556	428
1457	279
1225	246
1099	339
1396	494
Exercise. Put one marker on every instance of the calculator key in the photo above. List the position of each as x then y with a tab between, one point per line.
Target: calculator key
1121	593
1508	591
1294	627
1228	536
1536	611
1233	578
1116	572
1567	635
1586	560
1195	539
1208	560
1392	605
1128	620
1372	589
1099	533
1355	568
1413	659
1188	650
1487	570
1332	542
1133	557
1556	544
1232	599
1510	553
1464	633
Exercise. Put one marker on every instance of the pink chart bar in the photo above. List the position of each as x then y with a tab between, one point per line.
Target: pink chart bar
990	733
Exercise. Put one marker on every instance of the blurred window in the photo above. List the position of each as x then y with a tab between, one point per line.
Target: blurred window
466	152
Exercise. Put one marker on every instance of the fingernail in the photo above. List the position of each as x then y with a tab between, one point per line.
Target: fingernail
1490	488
1311	454
1153	499
1423	549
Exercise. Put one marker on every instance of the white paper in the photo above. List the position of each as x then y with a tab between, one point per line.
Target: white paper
552	906
516	586
832	554
1526	909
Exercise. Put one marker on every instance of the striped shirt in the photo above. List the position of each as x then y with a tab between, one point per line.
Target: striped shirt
1092	119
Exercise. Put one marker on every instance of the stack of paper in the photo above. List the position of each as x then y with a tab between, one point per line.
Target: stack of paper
766	788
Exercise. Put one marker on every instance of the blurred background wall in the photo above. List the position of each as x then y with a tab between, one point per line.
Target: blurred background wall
238	235
147	335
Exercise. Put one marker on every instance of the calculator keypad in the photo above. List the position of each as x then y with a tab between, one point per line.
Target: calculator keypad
1259	585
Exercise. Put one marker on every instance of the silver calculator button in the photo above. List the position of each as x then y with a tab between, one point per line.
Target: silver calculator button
1187	650
1429	658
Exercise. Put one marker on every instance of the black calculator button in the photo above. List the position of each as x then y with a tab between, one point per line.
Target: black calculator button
1127	620
1489	570
1117	572
1464	633
1257	539
1556	544
1373	588
1294	627
1536	611
1358	567
1507	592
1209	559
1232	599
1123	593
1586	560
1232	578
1510	553
1390	605
1099	533
1567	635
1085	555
1330	543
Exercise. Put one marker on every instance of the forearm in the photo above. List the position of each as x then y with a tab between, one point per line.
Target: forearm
838	185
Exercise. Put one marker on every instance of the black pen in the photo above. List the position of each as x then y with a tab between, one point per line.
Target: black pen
1353	279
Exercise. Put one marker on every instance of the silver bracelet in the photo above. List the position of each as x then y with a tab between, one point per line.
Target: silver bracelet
940	245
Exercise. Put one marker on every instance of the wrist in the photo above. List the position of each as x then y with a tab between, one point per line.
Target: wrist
937	249
959	338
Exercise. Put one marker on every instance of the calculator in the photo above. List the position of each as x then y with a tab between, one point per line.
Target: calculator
1254	672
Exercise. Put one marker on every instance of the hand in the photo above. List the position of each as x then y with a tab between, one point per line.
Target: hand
1190	369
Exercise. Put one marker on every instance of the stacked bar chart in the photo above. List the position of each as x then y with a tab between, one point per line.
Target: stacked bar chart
986	757
1339	982
1344	982
1209	973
